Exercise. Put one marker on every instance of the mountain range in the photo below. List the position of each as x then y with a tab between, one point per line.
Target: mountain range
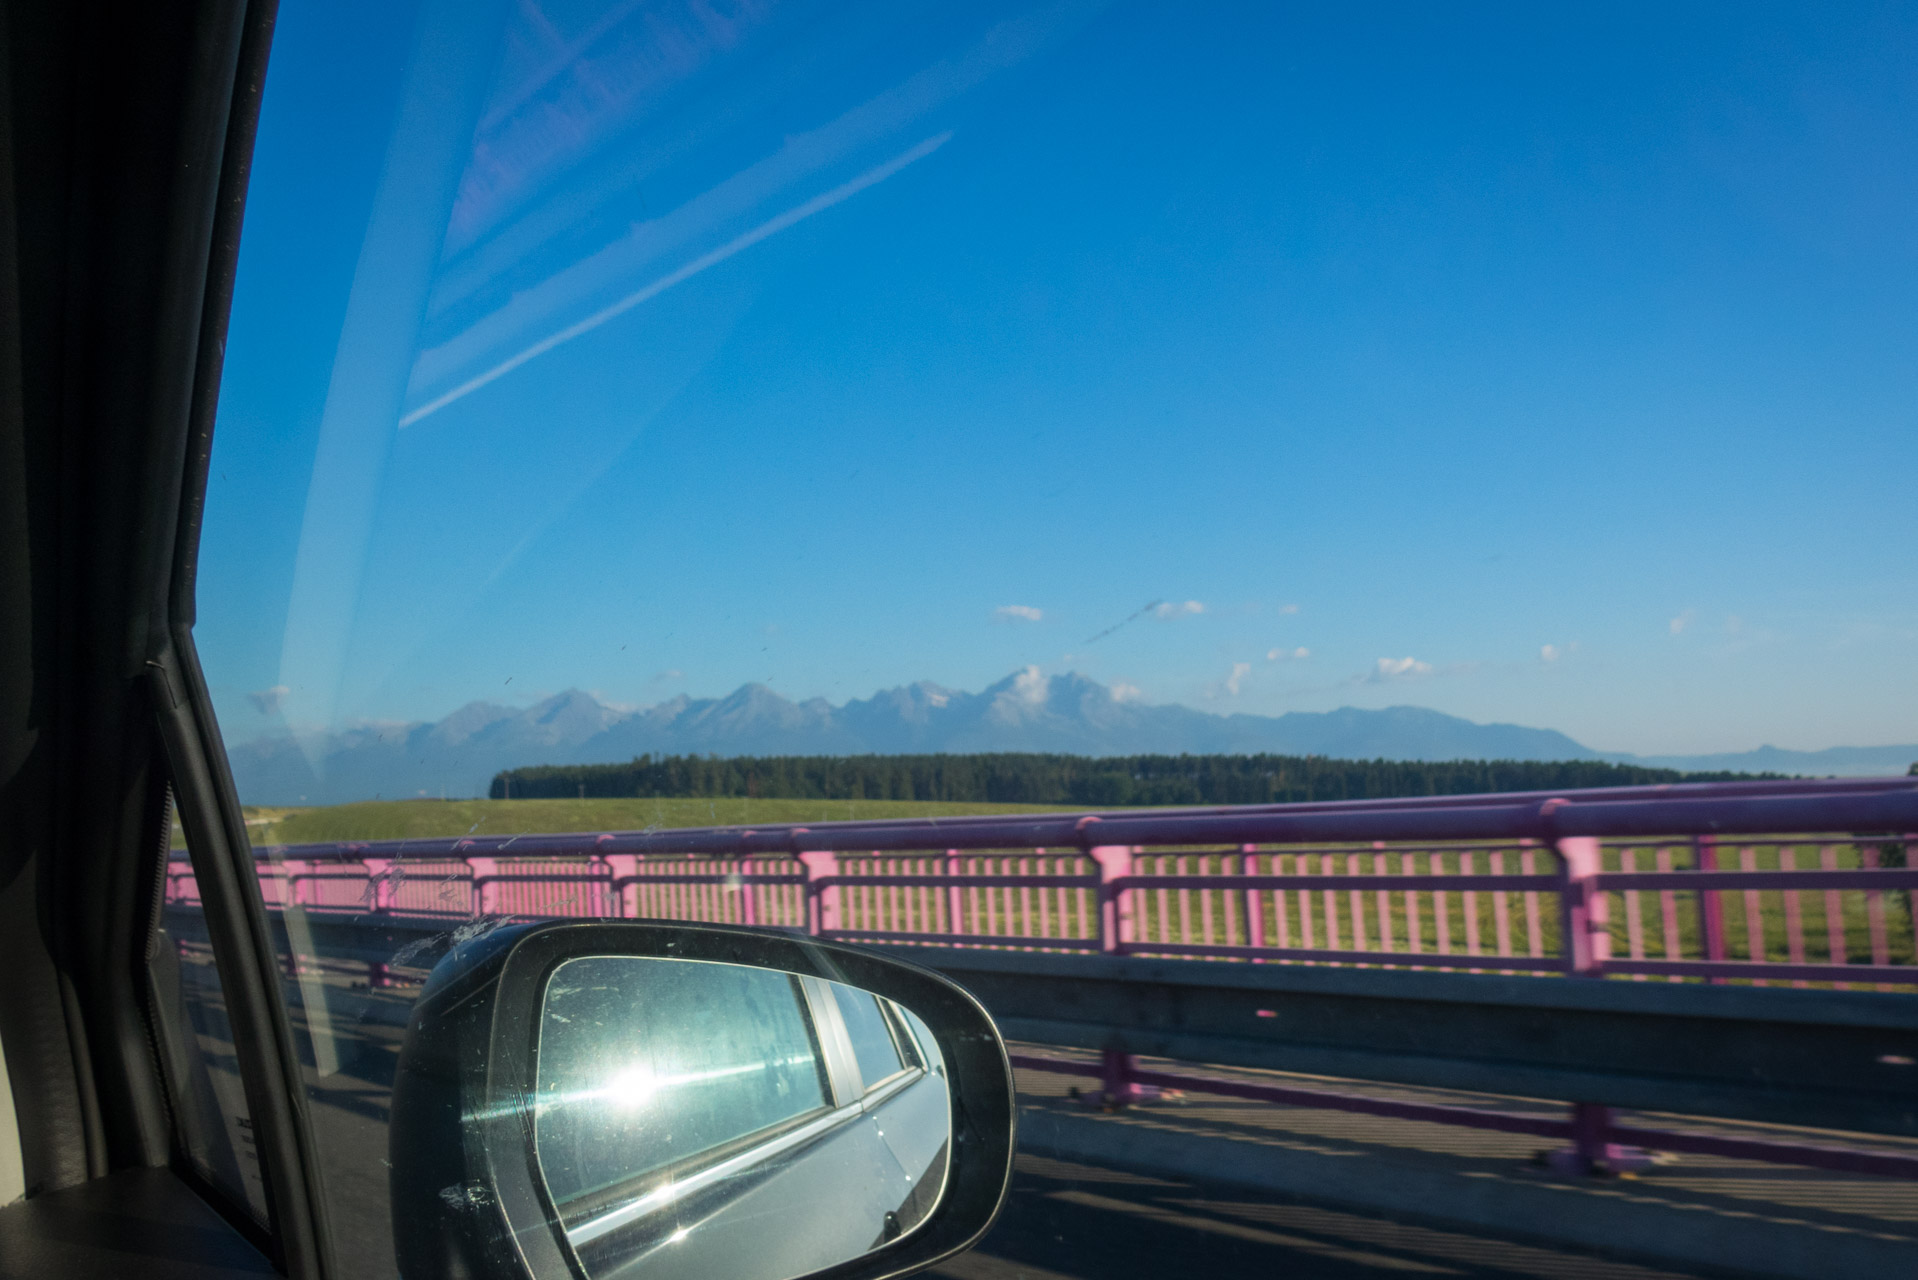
1027	711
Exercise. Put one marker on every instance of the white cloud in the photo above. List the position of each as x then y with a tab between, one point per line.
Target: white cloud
1240	670
1031	686
1288	608
1682	621
1299	654
1125	692
1017	613
1397	669
268	701
668	675
1548	653
1175	609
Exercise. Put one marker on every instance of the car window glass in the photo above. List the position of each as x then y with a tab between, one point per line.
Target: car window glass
924	1041
866	1027
194	1040
635	410
616	1101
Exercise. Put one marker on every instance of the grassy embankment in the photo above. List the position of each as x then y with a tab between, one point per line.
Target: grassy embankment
425	819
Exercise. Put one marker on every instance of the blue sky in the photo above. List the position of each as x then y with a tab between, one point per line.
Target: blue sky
1548	367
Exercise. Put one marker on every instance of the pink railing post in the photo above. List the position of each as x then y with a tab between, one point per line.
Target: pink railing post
822	900
1668	915
1794	914
1754	918
955	905
1355	899
1468	867
1501	908
1528	865
1115	905
1586	941
382	882
1409	863
1382	899
748	893
1837	945
1329	903
292	894
1634	925
486	890
299	886
1711	912
1254	900
1875	912
623	872
1302	866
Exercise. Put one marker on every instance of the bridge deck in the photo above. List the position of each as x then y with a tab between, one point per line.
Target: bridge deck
1251	1188
1703	1213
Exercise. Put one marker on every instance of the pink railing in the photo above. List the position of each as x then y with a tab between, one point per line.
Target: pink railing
1589	894
1791	883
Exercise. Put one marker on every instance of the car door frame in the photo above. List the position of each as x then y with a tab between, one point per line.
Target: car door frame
126	133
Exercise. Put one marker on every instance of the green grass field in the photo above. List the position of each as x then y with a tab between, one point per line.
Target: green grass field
424	819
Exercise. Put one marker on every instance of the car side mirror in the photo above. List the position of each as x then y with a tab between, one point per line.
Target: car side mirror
590	1100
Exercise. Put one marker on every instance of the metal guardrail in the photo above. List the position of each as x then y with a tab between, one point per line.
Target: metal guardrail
1824	1059
1634	883
1835	1060
1729	882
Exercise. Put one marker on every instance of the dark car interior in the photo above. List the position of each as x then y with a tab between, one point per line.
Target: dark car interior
124	137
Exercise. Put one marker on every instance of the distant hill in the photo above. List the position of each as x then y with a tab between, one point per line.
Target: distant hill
1026	712
1831	762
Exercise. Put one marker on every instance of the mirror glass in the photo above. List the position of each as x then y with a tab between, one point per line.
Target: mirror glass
688	1112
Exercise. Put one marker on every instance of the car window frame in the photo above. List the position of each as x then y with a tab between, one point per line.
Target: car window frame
204	797
126	135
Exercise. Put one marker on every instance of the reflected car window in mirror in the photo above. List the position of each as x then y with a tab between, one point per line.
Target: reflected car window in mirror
644	1063
872	1042
686	1110
924	1042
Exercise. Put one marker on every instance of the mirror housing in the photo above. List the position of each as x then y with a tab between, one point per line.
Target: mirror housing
469	1196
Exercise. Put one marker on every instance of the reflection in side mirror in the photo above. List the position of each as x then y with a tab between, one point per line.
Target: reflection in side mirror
686	1112
595	1100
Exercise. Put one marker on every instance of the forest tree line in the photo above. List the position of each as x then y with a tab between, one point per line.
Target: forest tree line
1092	781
